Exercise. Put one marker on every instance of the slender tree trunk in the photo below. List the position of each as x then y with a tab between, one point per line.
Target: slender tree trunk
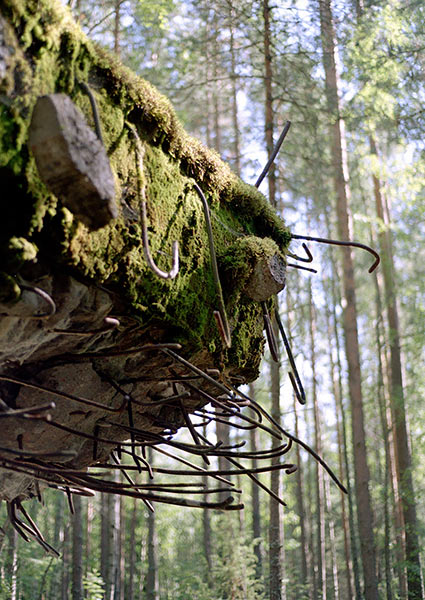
13	562
255	498
105	543
216	91
233	79
403	457
361	469
152	587
276	588
320	489
332	541
77	550
117	555
132	551
385	435
338	393
58	533
65	564
206	526
342	472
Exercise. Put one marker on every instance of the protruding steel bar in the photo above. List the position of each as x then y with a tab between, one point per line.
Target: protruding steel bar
230	412
144	218
190	464
151	403
110	324
301	258
226	504
293	376
69	498
97	125
58	454
30	411
144	348
127	476
301	268
45	296
303	445
42	388
221	318
192	430
197	370
270	334
273	154
151	263
339	243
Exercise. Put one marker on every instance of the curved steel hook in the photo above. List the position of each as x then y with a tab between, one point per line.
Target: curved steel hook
151	263
175	265
220	315
307	251
45	296
338	243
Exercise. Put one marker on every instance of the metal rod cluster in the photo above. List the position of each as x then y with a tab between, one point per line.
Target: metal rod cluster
227	405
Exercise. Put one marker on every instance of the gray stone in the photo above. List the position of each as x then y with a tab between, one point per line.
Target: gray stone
267	279
72	161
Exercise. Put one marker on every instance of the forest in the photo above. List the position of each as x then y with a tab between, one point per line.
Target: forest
339	513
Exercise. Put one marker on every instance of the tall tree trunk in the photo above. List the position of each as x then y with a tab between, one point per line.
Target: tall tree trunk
105	543
206	526
77	549
403	457
65	564
299	490
276	588
152	587
320	489
255	499
334	338
132	551
117	556
13	562
332	541
340	168
342	471
216	90
233	79
385	434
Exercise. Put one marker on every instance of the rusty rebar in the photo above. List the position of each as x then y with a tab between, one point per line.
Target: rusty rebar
273	154
221	317
339	243
65	395
293	376
271	339
45	296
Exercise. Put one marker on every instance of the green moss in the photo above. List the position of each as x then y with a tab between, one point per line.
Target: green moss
50	54
9	290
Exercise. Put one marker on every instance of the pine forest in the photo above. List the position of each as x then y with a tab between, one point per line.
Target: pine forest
323	442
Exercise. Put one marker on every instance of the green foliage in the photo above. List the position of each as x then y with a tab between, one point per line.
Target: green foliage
93	585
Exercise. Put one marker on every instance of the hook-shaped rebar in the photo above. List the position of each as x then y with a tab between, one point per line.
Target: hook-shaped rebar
293	376
339	243
45	296
175	264
220	315
151	263
307	251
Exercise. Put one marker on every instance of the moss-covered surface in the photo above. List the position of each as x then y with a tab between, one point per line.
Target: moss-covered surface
43	51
